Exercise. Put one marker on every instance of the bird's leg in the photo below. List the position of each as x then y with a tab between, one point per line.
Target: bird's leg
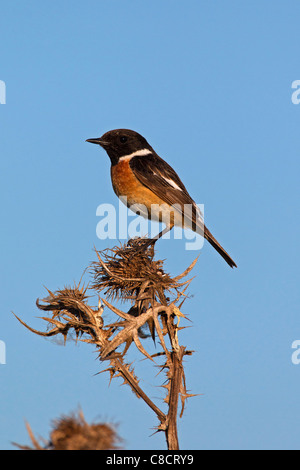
153	240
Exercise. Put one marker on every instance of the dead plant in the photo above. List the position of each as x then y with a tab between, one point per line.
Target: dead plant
74	433
128	273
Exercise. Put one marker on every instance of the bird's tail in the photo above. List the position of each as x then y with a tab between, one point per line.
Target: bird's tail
211	239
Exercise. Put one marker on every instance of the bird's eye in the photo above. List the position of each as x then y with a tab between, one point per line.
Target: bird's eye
123	139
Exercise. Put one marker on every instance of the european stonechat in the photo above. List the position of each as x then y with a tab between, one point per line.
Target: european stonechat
147	181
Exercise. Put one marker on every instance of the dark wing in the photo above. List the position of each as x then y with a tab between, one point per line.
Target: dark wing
158	176
154	173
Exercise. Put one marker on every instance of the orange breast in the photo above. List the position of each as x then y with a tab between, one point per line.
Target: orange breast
126	184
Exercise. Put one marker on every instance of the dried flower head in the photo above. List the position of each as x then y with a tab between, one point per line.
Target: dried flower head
128	273
74	433
121	271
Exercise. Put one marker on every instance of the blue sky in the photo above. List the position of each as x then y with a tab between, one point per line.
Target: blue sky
209	84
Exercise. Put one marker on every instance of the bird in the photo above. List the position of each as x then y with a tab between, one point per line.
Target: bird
143	180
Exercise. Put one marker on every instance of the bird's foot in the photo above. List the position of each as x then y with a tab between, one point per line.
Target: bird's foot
143	246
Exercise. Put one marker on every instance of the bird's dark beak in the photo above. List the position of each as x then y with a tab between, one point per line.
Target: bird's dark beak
94	141
98	141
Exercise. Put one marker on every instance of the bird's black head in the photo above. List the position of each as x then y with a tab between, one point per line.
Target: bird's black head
120	143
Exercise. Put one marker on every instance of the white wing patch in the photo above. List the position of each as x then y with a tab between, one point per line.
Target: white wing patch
168	180
172	183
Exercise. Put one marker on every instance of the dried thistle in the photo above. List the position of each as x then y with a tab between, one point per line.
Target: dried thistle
74	433
128	273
